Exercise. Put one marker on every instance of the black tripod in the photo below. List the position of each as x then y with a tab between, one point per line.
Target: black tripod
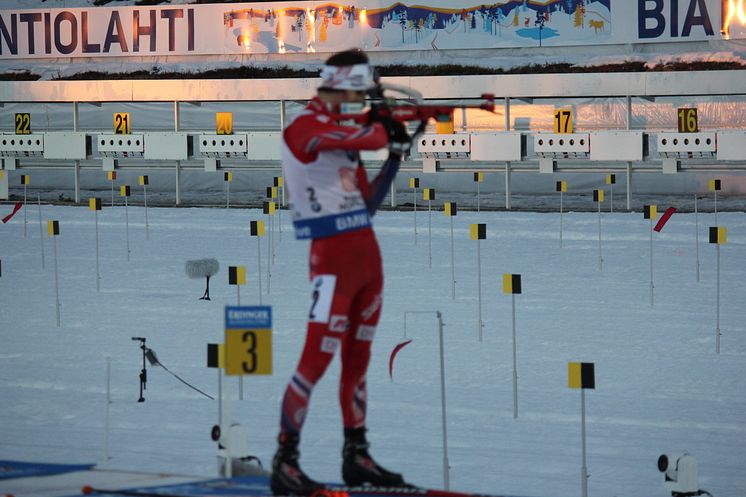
143	372
206	296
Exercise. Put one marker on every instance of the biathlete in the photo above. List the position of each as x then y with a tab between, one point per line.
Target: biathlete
332	202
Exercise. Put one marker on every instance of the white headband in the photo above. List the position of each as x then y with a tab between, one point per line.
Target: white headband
358	77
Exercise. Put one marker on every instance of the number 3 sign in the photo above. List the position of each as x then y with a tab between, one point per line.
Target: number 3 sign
248	340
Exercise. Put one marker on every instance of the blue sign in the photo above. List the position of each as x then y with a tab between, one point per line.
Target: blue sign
254	317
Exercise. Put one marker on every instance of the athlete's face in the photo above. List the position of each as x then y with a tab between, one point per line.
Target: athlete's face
353	96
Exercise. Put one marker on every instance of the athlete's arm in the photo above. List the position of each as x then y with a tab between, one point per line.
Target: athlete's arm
374	192
309	135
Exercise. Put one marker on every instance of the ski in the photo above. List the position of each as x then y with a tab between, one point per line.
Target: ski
87	490
404	491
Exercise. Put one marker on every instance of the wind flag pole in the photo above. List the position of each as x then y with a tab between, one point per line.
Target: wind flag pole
696	234
216	359
272	195
598	196
237	277
112	177
228	179
561	187
414	183
278	182
450	210
512	285
94	204
107	410
718	236
429	195
479	232
144	180
53	230
257	230
611	181
24	182
124	191
651	212
41	232
478	178
582	375
269	210
715	186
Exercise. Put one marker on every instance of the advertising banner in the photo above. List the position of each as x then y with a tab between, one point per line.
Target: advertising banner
374	25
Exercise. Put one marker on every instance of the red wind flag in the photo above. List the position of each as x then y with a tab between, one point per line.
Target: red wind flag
15	209
664	219
393	355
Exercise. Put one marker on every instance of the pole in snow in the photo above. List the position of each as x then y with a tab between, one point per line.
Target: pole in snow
582	375
512	286
451	210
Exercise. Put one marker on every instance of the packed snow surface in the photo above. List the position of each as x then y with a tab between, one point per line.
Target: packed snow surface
660	385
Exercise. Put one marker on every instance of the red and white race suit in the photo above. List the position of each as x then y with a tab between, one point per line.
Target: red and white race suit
332	203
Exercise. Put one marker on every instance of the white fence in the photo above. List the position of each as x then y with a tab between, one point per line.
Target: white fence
625	123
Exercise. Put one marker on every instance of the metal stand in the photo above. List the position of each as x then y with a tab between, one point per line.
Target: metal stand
41	233
600	257
696	234
479	288
127	227
147	225
561	213
584	468
206	296
24	210
259	266
429	234
56	283
453	264
98	272
651	262
415	216
717	305
515	367
143	371
446	467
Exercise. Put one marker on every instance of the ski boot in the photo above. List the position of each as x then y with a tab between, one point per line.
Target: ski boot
358	468
287	477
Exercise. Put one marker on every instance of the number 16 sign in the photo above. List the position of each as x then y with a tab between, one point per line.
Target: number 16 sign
248	340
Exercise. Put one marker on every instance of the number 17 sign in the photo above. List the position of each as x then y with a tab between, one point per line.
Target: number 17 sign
248	340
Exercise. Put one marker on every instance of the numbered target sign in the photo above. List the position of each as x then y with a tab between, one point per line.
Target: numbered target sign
563	121
688	122
122	123
23	123
248	340
224	123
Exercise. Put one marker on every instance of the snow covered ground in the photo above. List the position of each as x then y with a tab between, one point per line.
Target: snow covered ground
660	386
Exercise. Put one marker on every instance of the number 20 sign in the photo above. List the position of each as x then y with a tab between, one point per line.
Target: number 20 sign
248	340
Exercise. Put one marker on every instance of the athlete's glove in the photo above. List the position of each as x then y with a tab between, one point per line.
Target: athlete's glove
399	140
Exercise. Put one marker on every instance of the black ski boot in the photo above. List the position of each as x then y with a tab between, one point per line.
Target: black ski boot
358	468
287	477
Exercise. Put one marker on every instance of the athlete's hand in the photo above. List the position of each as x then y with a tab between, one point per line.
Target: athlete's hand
399	140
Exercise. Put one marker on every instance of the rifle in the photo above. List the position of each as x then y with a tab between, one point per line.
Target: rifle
410	109
416	110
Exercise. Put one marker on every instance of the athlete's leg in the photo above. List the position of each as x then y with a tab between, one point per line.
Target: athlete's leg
364	314
327	322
